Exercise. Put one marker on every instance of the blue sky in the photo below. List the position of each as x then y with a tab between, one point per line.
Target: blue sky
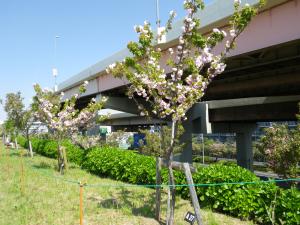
89	31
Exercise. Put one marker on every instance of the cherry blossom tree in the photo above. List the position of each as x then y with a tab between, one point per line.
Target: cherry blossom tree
63	118
171	89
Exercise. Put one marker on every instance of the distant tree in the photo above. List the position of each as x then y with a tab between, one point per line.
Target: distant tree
63	118
27	123
86	142
157	143
19	119
14	108
117	137
281	148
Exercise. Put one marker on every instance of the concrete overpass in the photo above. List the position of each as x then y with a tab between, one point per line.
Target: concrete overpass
261	82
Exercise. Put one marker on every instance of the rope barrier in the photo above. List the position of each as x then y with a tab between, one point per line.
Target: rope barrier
164	185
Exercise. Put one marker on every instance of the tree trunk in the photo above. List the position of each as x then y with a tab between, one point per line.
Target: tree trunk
29	143
158	188
172	189
62	159
172	193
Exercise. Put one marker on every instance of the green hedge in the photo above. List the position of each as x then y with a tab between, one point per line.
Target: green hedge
48	148
249	201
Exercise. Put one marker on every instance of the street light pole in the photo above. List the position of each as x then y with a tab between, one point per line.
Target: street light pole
54	70
157	14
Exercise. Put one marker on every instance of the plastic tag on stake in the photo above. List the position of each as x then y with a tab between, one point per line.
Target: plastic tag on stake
190	217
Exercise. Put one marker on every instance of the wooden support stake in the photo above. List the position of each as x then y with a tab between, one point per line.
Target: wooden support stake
30	149
193	193
158	188
16	144
66	166
179	166
81	204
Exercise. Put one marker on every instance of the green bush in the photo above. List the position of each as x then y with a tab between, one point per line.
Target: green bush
74	153
247	201
49	148
22	141
288	206
122	165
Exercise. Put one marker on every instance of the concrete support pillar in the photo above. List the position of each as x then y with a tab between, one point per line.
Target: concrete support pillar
186	139
244	149
197	122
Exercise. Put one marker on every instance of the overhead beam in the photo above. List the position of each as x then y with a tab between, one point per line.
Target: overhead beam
283	84
252	113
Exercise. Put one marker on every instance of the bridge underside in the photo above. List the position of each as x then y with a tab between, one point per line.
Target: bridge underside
263	85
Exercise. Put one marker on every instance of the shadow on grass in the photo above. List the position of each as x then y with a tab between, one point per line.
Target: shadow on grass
42	165
139	203
17	153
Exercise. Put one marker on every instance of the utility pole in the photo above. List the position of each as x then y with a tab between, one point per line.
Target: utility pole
54	70
157	14
161	36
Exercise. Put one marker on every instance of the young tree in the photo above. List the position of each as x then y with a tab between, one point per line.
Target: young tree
14	108
157	143
191	66
27	123
62	118
281	147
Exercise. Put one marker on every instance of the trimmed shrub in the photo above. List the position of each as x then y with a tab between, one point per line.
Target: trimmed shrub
246	201
122	165
74	153
22	141
48	148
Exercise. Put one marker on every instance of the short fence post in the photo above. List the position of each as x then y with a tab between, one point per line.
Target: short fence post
81	203
193	193
158	188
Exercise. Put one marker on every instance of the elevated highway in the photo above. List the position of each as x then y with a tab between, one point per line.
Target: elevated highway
260	83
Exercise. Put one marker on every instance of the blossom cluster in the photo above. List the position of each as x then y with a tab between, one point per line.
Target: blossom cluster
86	142
191	65
63	118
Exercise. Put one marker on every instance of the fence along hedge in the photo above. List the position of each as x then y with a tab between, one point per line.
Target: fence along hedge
243	201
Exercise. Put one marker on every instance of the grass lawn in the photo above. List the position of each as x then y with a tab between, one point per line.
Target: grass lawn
54	201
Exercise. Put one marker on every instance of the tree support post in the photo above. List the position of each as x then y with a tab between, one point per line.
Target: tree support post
30	149
193	193
158	188
16	144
